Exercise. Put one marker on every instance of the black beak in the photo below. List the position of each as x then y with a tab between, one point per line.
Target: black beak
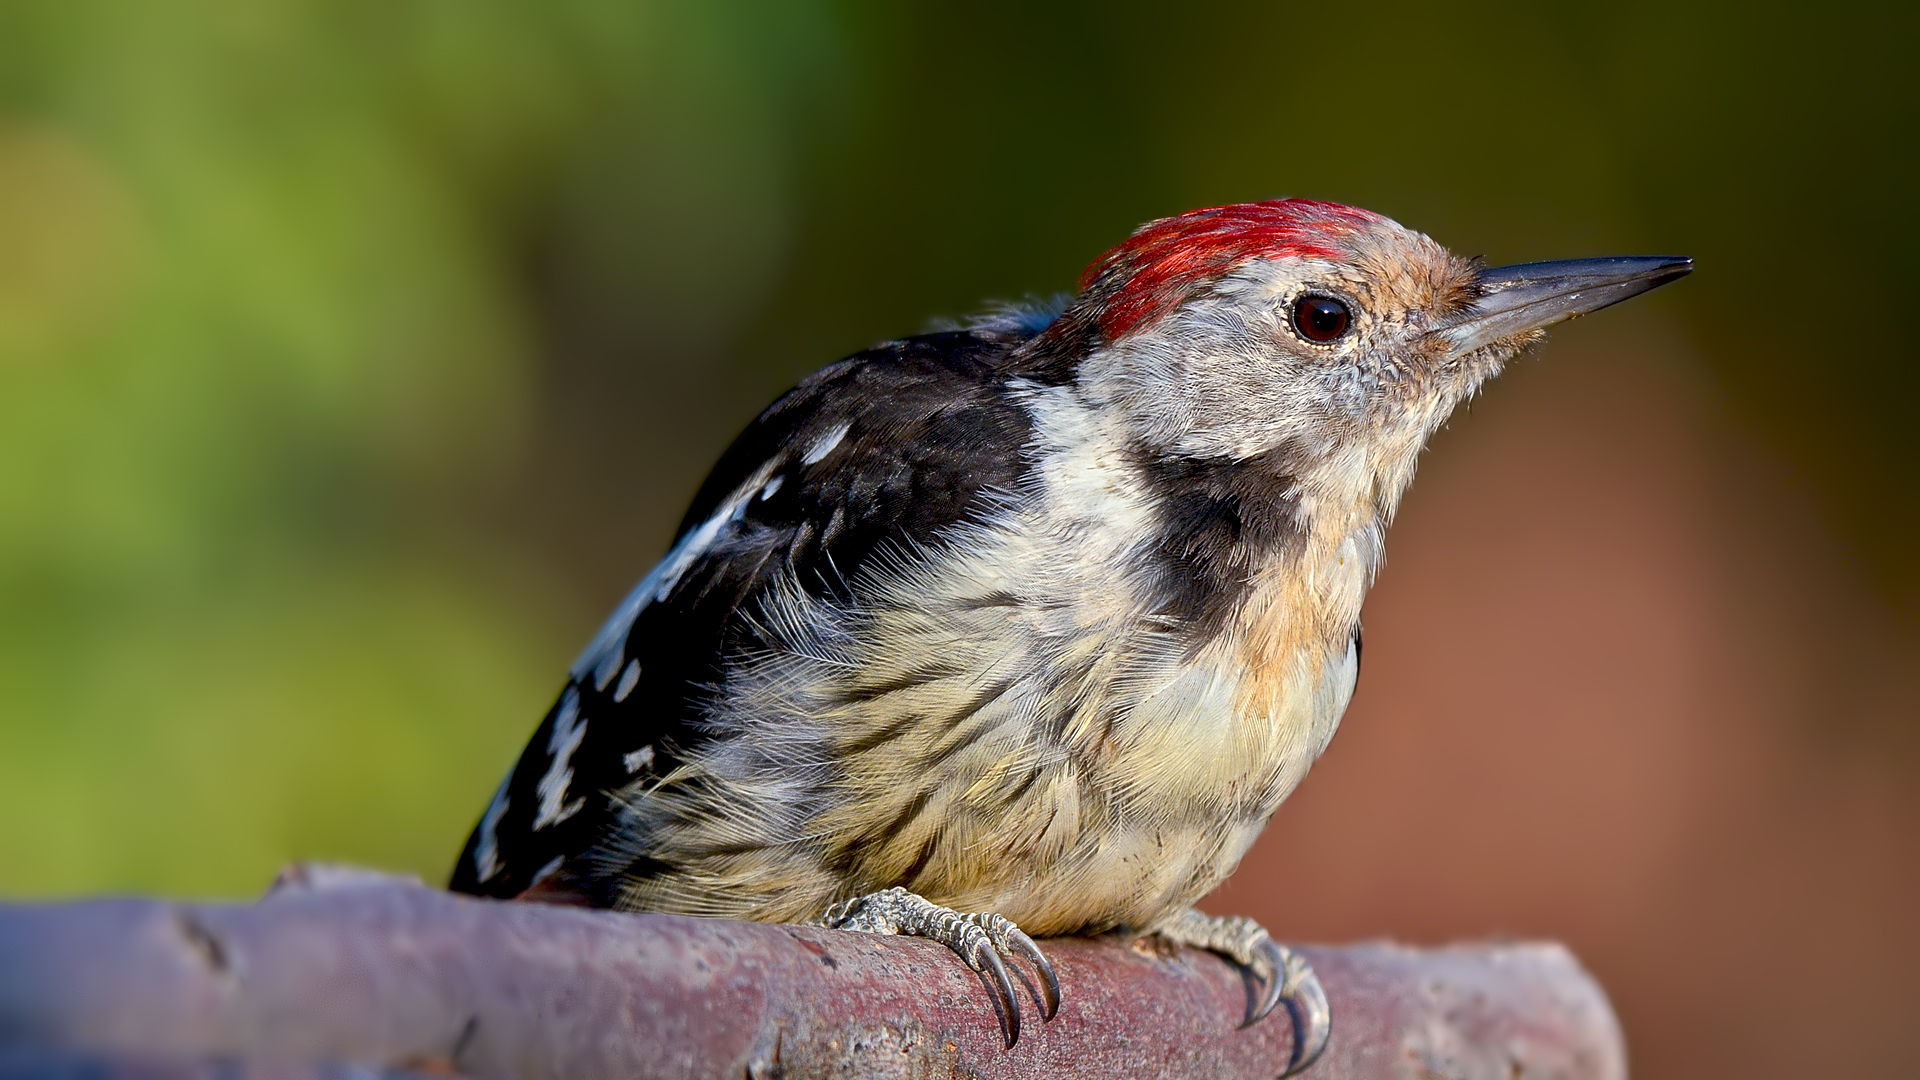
1531	296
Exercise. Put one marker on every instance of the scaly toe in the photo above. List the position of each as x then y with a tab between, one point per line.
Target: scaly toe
1285	976
986	942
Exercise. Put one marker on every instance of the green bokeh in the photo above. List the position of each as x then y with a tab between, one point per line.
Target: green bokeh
355	355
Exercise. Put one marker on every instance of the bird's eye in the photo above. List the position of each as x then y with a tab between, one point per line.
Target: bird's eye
1320	318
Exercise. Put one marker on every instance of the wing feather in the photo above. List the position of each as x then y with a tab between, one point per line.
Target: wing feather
876	454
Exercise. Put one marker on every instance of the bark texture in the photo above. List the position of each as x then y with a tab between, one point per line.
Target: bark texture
336	975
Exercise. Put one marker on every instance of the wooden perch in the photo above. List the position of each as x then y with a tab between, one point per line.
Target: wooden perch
381	974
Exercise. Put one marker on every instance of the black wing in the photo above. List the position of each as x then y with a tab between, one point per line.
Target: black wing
889	446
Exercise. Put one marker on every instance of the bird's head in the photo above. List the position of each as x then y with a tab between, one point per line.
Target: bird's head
1325	341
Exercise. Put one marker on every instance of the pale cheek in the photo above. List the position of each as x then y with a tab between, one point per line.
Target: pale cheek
1252	407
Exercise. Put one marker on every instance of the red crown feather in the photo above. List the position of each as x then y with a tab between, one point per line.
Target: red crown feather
1157	267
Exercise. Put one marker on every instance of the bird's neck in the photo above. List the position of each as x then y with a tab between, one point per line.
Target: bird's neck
1271	553
1276	553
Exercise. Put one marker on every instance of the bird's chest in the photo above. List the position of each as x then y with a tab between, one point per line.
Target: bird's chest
1228	725
1126	769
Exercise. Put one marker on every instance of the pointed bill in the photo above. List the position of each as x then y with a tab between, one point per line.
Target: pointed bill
1532	296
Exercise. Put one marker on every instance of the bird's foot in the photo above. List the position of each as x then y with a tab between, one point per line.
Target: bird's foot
1285	972
986	942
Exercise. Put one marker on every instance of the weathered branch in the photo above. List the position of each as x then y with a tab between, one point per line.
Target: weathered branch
397	976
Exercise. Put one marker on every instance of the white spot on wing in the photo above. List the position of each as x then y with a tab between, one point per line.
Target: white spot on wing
568	730
486	850
773	485
629	679
603	671
603	653
824	445
638	760
547	871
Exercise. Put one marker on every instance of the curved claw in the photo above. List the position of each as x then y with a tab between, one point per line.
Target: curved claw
1289	978
987	961
1269	960
1049	982
1312	1018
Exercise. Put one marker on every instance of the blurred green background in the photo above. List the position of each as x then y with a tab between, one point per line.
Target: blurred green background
355	356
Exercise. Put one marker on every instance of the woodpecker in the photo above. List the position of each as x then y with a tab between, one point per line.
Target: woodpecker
1025	628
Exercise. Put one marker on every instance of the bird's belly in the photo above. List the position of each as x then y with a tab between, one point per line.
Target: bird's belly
1133	878
1135	829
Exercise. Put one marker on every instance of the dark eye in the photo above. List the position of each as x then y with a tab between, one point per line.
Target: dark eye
1320	318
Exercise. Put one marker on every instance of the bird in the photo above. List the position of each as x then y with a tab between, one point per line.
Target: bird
1025	626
